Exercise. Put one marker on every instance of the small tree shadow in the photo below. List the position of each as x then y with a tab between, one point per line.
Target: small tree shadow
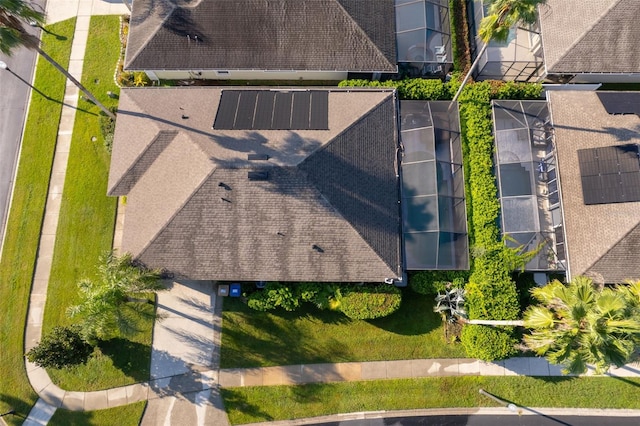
236	400
132	358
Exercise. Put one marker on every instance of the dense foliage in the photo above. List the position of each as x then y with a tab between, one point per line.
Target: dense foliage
368	302
488	343
62	347
355	301
584	323
434	282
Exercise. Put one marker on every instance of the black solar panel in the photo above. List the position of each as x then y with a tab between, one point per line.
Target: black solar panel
300	113
282	111
226	115
273	110
264	110
246	110
620	102
610	174
319	117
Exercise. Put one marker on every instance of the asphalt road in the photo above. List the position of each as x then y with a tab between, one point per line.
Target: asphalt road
491	420
14	95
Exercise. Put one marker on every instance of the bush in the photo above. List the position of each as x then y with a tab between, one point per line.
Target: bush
274	295
431	283
62	347
488	343
108	128
370	301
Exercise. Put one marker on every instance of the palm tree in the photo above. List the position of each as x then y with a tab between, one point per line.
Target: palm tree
502	16
114	304
582	324
14	15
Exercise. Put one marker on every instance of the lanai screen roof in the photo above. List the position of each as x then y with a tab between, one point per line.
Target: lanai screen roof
433	206
527	181
423	31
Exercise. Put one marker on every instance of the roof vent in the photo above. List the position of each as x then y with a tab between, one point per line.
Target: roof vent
258	175
257	157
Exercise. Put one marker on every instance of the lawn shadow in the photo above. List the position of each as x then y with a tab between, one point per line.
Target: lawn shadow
236	400
132	358
253	339
414	317
19	407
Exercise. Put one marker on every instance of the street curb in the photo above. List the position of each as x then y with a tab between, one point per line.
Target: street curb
487	411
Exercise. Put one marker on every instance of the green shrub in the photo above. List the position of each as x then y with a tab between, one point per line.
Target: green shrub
107	128
274	295
488	343
370	301
62	347
433	282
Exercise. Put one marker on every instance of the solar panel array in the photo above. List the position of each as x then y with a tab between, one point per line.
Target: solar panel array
273	110
620	102
610	174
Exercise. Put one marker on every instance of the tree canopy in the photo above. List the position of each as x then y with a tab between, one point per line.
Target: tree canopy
583	323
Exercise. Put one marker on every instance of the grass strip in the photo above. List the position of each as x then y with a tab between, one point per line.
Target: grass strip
257	404
86	225
128	415
308	335
26	215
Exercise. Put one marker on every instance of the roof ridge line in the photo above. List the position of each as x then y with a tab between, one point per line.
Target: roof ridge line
344	219
151	34
375	46
635	227
178	210
144	151
362	117
588	30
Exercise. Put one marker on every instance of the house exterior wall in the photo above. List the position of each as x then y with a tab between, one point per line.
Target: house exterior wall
245	75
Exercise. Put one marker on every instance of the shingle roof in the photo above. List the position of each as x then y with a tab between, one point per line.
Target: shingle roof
601	236
328	211
332	35
590	36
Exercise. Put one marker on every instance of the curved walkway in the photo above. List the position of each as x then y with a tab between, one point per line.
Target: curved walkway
184	364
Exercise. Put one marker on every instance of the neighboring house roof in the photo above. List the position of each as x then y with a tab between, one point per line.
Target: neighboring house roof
329	210
330	35
603	240
584	36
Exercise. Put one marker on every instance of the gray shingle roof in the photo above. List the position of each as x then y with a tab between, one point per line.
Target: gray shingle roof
332	35
599	234
328	212
590	36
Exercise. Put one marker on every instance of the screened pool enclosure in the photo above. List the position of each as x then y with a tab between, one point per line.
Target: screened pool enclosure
525	165
433	205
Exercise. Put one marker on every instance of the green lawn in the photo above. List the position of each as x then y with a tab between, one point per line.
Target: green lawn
252	339
128	415
87	220
25	219
256	404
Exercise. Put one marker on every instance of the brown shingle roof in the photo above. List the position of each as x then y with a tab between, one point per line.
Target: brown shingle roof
331	35
596	234
590	36
328	212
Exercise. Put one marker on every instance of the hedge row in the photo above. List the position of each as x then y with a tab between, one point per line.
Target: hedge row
491	292
355	301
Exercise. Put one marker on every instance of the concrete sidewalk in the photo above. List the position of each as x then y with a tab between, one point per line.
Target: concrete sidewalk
401	369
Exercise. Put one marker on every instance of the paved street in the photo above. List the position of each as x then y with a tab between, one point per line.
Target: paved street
489	420
14	95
